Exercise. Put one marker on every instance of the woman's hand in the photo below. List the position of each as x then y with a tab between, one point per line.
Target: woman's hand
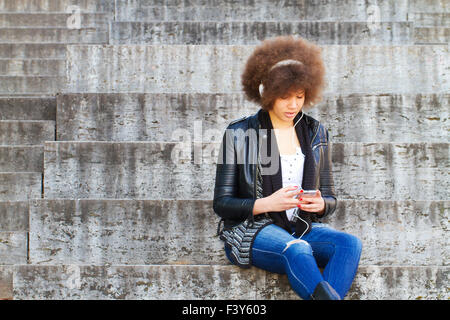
315	204
283	199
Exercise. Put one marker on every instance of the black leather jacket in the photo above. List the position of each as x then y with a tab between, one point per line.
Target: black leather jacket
236	183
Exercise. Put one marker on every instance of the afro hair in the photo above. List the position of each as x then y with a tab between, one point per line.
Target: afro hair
285	79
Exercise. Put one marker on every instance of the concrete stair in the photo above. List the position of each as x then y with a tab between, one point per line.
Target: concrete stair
402	118
199	282
109	137
243	32
384	171
199	68
52	6
135	232
263	10
48	24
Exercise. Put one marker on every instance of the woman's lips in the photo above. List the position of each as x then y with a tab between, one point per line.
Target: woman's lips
290	114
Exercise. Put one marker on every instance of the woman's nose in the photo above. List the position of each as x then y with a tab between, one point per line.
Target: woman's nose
292	103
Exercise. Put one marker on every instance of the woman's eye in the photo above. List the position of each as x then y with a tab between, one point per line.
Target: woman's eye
300	97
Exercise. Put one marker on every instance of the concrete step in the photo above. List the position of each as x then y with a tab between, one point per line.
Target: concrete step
20	185
61	20
32	67
200	68
186	170
263	10
128	231
430	19
53	35
21	158
26	132
201	282
27	6
143	116
32	51
432	35
247	33
31	84
28	108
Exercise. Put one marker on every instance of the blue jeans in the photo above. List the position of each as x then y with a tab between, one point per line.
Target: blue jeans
338	253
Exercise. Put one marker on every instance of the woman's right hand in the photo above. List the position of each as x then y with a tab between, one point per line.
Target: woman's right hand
283	199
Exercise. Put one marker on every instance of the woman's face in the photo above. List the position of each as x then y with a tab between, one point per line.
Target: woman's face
286	108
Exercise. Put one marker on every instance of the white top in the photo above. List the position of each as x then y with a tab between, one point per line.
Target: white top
292	171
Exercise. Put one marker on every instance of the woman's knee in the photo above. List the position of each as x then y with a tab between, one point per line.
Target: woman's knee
351	241
297	246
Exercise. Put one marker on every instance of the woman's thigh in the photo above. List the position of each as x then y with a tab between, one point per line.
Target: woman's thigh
269	246
324	240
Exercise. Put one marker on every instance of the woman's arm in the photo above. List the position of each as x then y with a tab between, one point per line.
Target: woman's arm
261	205
226	202
326	181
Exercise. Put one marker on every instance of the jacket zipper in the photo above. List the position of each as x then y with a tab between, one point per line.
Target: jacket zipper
257	161
255	178
318	145
312	140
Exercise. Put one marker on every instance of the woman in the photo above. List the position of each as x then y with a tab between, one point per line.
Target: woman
267	162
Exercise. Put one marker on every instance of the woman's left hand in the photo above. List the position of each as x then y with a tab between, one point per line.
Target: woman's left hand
314	204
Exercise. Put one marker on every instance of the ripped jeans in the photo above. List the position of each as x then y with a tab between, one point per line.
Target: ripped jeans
338	253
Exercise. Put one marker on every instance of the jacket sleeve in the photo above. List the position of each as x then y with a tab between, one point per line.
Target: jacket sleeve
227	203
326	181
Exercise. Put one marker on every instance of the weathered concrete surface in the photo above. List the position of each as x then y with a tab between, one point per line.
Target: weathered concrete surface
143	116
14	215
160	170
13	247
392	171
213	282
32	50
262	10
55	5
26	132
92	231
123	170
348	118
123	232
22	158
28	108
401	283
20	185
397	232
430	19
6	282
191	68
432	35
8	20
385	117
428	6
13	235
14	85
35	67
244	32
53	35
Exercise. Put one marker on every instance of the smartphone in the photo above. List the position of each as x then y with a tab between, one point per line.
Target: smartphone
306	193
